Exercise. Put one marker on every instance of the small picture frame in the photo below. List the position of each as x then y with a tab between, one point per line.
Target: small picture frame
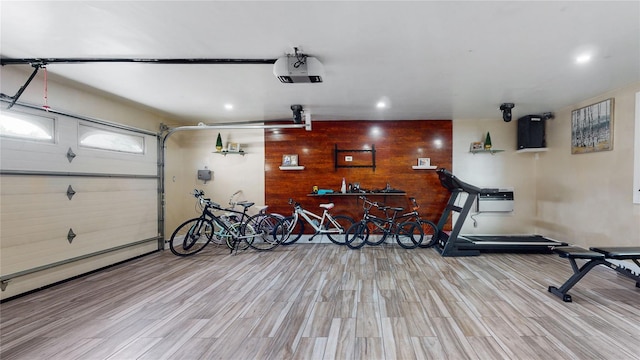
424	162
233	146
290	160
476	145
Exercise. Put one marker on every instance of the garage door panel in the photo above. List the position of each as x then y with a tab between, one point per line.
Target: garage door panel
50	158
26	256
26	155
29	215
29	229
38	185
54	159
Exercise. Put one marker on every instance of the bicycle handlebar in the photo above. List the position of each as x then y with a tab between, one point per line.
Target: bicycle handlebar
293	203
369	203
199	194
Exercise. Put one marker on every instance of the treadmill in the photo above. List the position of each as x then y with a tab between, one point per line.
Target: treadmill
454	244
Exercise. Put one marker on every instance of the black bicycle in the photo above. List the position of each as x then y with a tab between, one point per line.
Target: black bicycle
429	229
374	230
237	228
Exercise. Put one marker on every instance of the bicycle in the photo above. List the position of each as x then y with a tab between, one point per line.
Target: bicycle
221	235
327	224
408	234
429	229
258	231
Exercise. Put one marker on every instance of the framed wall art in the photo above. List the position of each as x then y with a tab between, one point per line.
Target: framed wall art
232	146
424	162
592	128
290	160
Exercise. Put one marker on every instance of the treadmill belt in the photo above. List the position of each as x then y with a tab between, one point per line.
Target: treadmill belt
509	240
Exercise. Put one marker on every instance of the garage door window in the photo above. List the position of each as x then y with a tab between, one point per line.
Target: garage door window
99	138
26	126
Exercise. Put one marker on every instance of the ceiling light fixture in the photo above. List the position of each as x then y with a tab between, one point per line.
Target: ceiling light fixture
228	106
381	105
582	59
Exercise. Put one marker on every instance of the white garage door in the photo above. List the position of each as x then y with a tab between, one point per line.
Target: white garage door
76	195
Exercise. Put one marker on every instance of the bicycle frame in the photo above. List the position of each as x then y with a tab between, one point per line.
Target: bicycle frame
405	232
327	224
383	226
318	225
227	225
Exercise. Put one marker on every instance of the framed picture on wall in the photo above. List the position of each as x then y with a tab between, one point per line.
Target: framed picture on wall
233	146
592	128
424	162
290	160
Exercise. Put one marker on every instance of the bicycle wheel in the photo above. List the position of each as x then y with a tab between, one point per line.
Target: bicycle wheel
292	232
345	223
266	228
430	231
191	237
357	235
378	231
409	235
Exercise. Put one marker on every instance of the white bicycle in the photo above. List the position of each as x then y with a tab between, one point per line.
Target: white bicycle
334	227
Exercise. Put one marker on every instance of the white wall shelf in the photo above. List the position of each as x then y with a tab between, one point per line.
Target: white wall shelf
291	167
229	152
483	151
532	150
432	167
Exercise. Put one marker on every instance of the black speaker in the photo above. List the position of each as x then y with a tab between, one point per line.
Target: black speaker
531	132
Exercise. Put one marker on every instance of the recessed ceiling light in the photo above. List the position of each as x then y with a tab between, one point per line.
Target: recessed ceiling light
584	58
381	105
228	106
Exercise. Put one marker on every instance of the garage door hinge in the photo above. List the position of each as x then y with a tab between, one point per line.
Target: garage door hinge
70	192
70	235
70	155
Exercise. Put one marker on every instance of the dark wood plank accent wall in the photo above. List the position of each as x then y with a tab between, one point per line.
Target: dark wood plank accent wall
398	145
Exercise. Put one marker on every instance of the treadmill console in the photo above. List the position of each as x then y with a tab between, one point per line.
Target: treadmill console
452	183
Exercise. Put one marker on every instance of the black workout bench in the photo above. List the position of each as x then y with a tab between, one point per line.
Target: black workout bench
595	256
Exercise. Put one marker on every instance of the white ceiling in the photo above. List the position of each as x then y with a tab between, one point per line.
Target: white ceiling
427	59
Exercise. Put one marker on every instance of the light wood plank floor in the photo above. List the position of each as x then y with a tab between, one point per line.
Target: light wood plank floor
323	301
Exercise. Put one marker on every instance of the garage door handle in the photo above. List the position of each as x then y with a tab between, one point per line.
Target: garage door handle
71	235
70	155
70	192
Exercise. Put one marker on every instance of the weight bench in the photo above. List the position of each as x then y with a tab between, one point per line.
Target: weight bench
595	256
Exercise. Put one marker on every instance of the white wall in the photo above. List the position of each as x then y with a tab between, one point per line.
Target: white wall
190	151
583	199
587	199
503	169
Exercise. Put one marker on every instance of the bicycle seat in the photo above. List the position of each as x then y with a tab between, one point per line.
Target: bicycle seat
327	206
395	208
245	204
